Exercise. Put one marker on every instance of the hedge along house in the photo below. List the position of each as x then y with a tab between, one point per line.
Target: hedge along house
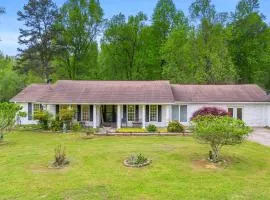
140	103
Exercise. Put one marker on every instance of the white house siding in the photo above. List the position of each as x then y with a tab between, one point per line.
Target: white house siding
25	120
256	115
253	114
268	116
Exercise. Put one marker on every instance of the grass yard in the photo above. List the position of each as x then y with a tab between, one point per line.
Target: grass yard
178	169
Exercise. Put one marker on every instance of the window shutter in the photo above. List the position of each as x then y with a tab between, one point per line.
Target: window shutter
41	106
91	112
137	113
79	113
30	116
57	110
147	113
124	113
159	113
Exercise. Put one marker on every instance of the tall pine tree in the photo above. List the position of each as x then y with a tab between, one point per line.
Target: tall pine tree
36	38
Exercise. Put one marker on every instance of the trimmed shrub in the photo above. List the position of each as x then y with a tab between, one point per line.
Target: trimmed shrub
56	125
151	128
66	114
175	127
214	111
43	118
76	127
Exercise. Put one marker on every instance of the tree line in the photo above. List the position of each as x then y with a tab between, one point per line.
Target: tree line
76	42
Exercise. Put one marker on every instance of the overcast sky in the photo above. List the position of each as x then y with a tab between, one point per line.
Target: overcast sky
9	26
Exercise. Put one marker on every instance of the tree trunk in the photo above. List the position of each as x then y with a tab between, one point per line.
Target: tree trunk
1	136
215	153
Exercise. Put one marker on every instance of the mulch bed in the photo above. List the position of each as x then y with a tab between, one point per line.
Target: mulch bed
148	162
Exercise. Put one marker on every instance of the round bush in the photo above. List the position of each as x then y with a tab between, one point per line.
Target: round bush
76	127
56	125
175	127
151	128
43	118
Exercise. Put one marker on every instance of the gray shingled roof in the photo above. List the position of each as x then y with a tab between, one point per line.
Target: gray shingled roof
219	93
32	93
106	92
109	92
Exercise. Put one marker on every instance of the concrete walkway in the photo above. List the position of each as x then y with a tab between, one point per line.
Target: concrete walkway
260	135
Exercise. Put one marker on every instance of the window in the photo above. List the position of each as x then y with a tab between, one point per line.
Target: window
85	113
37	107
236	113
153	113
230	111
131	113
239	113
175	112
183	113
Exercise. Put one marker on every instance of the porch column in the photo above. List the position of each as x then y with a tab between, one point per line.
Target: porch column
143	116
118	116
94	116
168	118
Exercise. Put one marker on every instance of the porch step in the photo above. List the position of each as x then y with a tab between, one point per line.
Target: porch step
106	130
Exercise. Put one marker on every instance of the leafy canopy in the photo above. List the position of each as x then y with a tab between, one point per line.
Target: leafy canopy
8	113
219	131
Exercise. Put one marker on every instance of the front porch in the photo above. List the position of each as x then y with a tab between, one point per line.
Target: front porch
120	115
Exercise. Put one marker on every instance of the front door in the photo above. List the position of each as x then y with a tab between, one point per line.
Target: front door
109	113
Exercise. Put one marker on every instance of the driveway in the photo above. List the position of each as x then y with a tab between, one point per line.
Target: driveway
260	135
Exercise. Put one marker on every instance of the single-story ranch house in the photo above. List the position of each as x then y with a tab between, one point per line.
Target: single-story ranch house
140	103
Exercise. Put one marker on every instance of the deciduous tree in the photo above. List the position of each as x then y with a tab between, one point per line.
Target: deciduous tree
79	24
250	44
121	47
218	131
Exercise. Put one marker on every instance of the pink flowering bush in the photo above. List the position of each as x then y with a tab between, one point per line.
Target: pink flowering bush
214	111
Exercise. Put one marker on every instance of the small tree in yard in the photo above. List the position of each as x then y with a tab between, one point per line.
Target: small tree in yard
43	118
219	131
66	115
20	115
7	117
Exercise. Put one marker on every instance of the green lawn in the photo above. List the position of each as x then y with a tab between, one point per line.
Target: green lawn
178	170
